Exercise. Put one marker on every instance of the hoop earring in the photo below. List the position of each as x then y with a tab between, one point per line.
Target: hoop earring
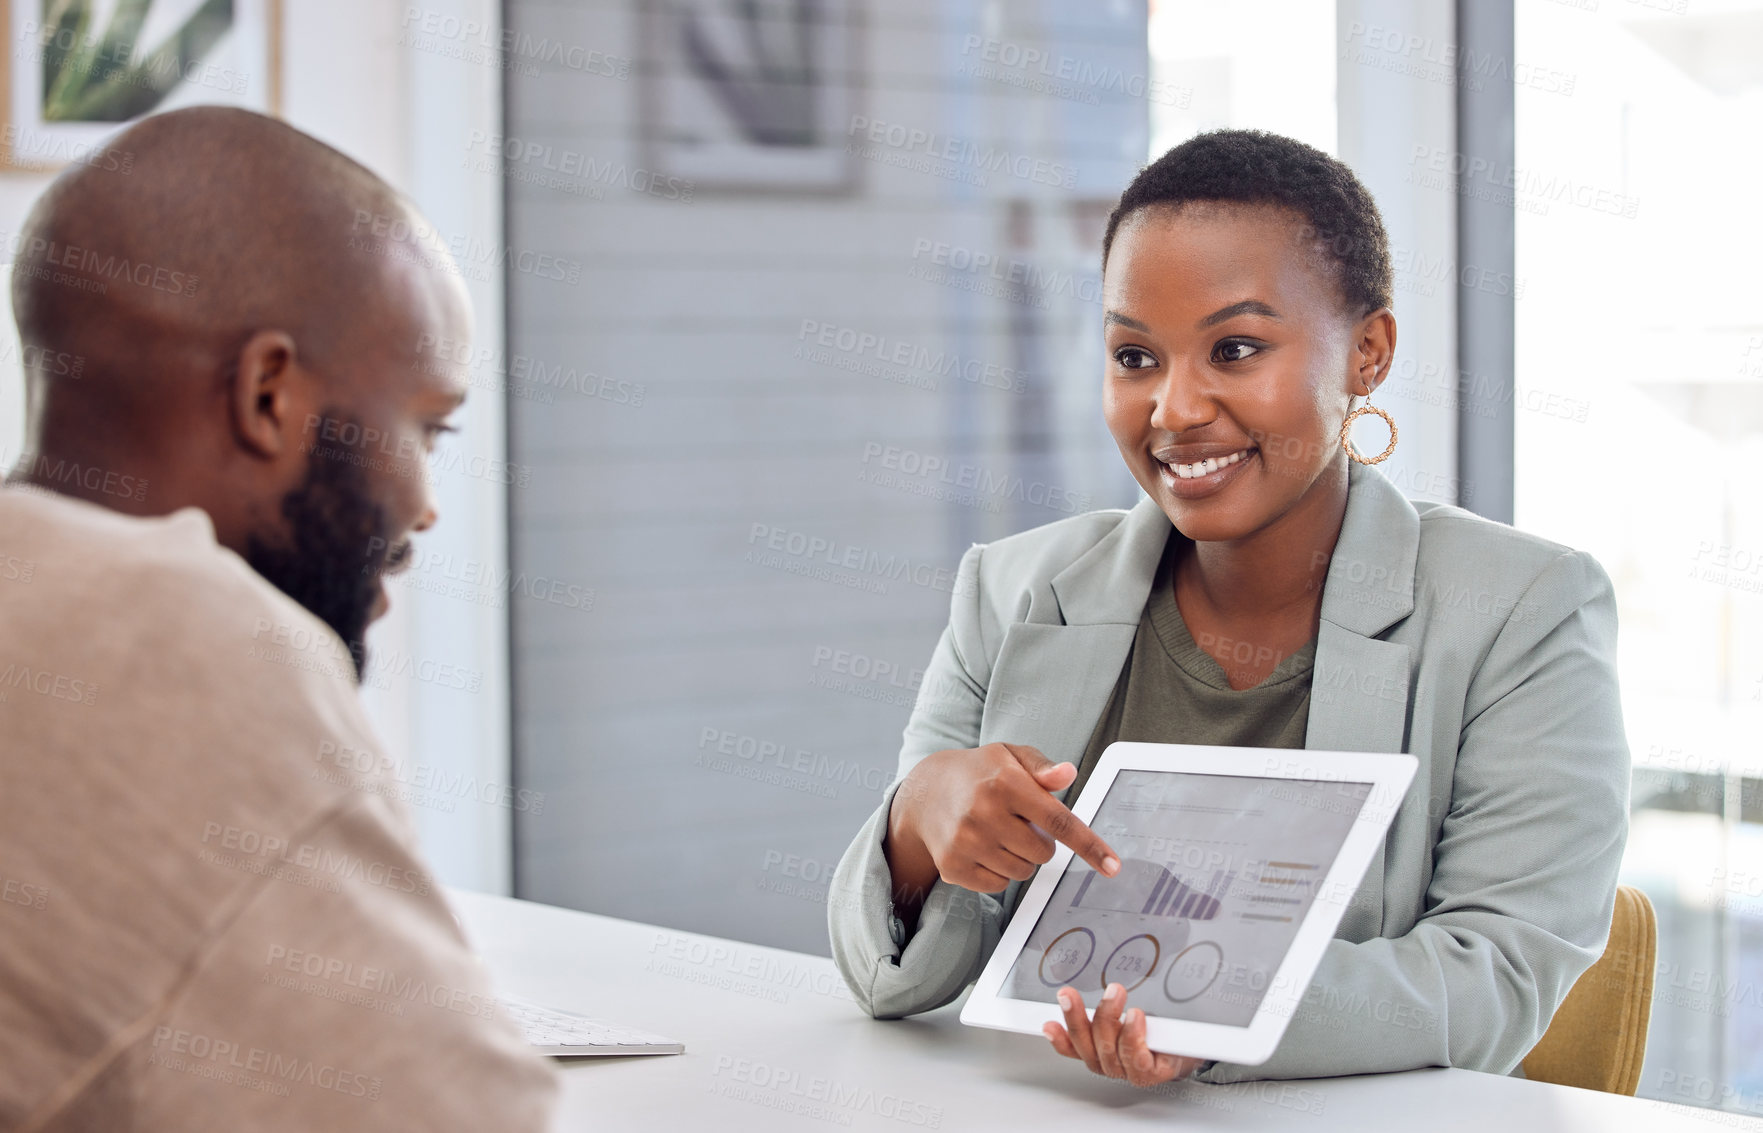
1347	425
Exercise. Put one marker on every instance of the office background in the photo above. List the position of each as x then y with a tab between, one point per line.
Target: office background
775	319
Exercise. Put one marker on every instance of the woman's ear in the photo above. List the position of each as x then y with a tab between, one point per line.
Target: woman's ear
268	397
1374	348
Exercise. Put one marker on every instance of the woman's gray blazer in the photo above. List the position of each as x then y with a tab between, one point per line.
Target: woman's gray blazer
1487	653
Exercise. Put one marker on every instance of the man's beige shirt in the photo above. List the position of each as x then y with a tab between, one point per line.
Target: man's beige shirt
212	911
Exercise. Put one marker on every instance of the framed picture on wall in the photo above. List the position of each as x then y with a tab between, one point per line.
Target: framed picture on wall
750	94
79	70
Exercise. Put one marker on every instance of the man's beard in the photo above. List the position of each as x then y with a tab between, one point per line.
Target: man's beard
340	543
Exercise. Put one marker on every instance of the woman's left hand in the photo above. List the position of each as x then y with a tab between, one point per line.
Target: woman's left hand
1114	1043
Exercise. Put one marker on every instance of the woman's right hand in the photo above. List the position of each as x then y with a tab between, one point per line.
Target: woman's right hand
981	818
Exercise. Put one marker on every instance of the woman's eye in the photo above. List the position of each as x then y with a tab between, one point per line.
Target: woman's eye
1234	350
1132	358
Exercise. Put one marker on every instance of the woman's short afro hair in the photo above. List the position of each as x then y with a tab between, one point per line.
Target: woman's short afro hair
1253	167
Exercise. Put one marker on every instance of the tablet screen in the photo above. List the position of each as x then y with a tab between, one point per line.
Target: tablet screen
1217	872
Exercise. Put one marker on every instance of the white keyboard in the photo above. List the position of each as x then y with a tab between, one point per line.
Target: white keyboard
561	1034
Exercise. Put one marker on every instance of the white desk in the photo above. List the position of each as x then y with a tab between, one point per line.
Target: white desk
773	1042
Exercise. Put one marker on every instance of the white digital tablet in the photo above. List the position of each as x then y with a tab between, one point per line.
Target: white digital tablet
1236	866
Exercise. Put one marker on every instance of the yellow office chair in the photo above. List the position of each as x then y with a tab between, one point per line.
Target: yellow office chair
1597	1039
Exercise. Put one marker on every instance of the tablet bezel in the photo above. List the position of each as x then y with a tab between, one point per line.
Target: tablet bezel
1389	774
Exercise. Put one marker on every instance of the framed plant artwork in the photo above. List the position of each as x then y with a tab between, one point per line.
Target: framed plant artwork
78	70
750	94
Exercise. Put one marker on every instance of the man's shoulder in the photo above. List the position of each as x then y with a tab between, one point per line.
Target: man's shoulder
163	577
178	644
77	538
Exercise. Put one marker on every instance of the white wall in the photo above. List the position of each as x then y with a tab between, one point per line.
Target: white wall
1397	98
17	191
353	78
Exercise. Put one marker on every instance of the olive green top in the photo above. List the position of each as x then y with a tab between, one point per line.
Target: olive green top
1172	691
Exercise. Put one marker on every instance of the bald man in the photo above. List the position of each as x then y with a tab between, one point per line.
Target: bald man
210	919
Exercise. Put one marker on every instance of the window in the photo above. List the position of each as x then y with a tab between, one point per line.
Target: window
1639	432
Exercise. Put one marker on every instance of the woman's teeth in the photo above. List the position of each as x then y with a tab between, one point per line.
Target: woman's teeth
1212	464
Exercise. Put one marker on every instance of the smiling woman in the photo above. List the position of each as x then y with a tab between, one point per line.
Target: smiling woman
1237	336
1273	590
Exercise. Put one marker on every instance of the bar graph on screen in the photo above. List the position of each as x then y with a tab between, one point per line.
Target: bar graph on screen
1146	888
